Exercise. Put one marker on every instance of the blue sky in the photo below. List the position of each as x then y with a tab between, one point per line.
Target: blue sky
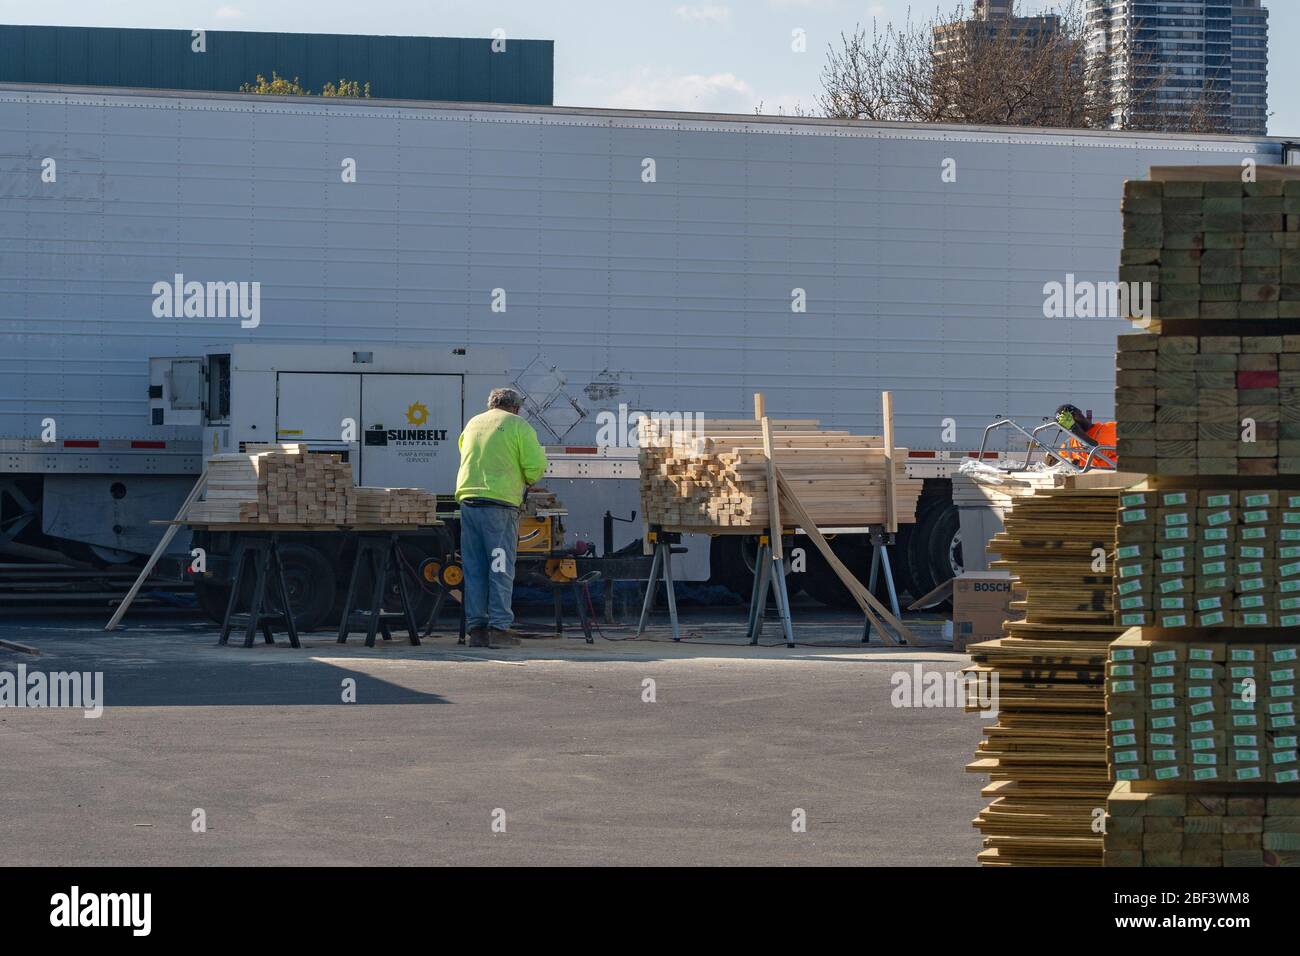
710	55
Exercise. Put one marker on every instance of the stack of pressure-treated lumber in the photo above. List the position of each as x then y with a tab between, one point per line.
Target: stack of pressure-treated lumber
1202	829
1223	404
1201	693
1046	753
287	485
1212	246
714	476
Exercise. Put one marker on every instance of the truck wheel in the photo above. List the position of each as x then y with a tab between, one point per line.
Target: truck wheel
309	577
727	565
212	599
944	545
898	559
823	585
917	556
731	564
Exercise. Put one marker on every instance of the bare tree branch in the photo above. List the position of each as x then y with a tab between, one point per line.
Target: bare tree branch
1019	71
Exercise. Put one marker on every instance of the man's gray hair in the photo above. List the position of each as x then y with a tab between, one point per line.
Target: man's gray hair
506	398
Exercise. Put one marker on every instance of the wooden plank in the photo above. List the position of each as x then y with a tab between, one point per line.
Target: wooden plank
116	620
891	505
872	608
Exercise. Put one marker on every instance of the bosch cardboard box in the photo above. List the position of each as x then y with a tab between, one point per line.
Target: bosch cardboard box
981	604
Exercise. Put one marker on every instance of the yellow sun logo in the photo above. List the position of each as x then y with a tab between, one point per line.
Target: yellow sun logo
417	414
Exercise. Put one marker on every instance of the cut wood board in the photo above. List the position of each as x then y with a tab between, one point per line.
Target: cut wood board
715	478
1045	755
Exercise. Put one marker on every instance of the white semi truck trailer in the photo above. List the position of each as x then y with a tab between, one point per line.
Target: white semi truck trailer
183	272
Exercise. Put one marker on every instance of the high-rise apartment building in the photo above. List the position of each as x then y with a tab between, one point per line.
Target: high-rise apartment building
1249	67
988	19
1168	64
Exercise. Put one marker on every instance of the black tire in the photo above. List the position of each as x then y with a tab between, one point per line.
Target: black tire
944	546
823	585
727	565
212	598
898	560
917	556
731	564
309	576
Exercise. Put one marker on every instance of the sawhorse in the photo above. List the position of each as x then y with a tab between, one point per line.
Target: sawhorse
262	551
378	551
443	593
581	597
769	577
880	542
661	568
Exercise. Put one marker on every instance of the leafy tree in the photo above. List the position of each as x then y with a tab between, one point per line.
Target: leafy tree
276	86
279	86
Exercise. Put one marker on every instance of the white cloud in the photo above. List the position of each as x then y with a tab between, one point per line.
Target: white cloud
706	13
228	13
659	90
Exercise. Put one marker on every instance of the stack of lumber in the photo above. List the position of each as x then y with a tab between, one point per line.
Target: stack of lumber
230	495
714	477
1200	694
1202	710
1209	404
287	485
1046	754
302	488
1201	829
1208	557
391	506
974	491
1213	247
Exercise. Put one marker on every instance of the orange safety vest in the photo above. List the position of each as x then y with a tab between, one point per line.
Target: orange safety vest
1102	433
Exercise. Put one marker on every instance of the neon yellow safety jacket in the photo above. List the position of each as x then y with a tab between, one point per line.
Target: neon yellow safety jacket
499	457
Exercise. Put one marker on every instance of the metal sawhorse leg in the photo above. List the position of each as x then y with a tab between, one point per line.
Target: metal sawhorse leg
880	562
378	552
769	575
581	597
263	553
661	568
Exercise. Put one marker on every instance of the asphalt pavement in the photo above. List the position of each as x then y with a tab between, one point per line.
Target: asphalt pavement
707	752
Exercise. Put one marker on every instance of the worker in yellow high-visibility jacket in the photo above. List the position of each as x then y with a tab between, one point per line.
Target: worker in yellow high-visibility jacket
499	458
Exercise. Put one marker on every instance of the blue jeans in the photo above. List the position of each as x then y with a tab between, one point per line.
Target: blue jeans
488	537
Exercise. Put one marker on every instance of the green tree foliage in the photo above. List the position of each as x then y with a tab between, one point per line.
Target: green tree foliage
279	86
346	88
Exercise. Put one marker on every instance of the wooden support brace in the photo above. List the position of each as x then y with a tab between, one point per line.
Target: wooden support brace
872	608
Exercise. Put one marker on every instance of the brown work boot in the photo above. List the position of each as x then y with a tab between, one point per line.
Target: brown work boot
478	637
501	637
